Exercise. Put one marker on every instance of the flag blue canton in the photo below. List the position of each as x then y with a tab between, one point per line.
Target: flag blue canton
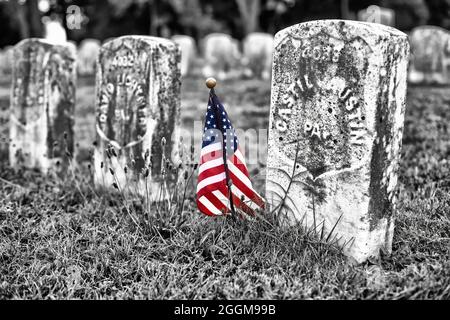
217	123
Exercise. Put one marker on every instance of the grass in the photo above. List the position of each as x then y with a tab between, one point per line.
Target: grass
61	242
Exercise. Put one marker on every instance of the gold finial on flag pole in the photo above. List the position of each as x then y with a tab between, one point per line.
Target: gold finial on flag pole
211	83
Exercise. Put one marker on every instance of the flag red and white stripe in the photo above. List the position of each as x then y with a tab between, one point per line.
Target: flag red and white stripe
213	193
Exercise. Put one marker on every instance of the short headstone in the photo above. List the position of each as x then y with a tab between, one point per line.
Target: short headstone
188	52
430	55
87	56
335	132
6	61
222	56
138	113
107	40
257	54
42	105
376	14
74	17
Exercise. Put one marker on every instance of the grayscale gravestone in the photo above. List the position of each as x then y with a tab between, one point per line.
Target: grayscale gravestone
6	58
430	55
138	112
376	14
222	56
54	32
42	105
335	132
257	54
87	56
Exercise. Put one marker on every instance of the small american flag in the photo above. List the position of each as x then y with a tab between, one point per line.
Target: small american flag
213	191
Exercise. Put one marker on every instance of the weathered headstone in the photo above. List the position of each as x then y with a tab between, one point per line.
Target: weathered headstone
107	40
222	56
257	52
188	52
335	132
42	105
377	14
87	56
430	55
138	112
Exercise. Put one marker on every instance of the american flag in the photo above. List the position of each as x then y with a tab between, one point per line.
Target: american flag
213	196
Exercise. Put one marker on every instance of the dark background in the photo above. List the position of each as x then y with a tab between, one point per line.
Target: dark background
111	18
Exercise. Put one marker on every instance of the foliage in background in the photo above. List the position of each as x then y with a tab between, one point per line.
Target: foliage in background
112	18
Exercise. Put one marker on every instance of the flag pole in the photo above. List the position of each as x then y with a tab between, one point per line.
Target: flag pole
211	83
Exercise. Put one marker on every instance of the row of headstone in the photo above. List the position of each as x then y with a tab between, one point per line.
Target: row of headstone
223	58
220	51
430	55
336	120
54	32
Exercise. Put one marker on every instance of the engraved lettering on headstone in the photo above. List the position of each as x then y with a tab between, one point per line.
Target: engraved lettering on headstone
337	108
137	105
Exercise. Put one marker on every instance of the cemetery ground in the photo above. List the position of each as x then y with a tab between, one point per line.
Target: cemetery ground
62	239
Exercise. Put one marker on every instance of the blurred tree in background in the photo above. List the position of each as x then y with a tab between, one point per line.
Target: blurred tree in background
408	13
102	19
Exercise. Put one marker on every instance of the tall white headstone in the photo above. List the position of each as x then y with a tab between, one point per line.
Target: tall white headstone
87	56
336	124
55	32
257	54
138	112
42	105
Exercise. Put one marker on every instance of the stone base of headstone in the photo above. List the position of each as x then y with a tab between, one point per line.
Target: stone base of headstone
336	123
138	114
42	106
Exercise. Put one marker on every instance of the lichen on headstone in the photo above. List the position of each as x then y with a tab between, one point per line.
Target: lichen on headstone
42	105
338	101
138	109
